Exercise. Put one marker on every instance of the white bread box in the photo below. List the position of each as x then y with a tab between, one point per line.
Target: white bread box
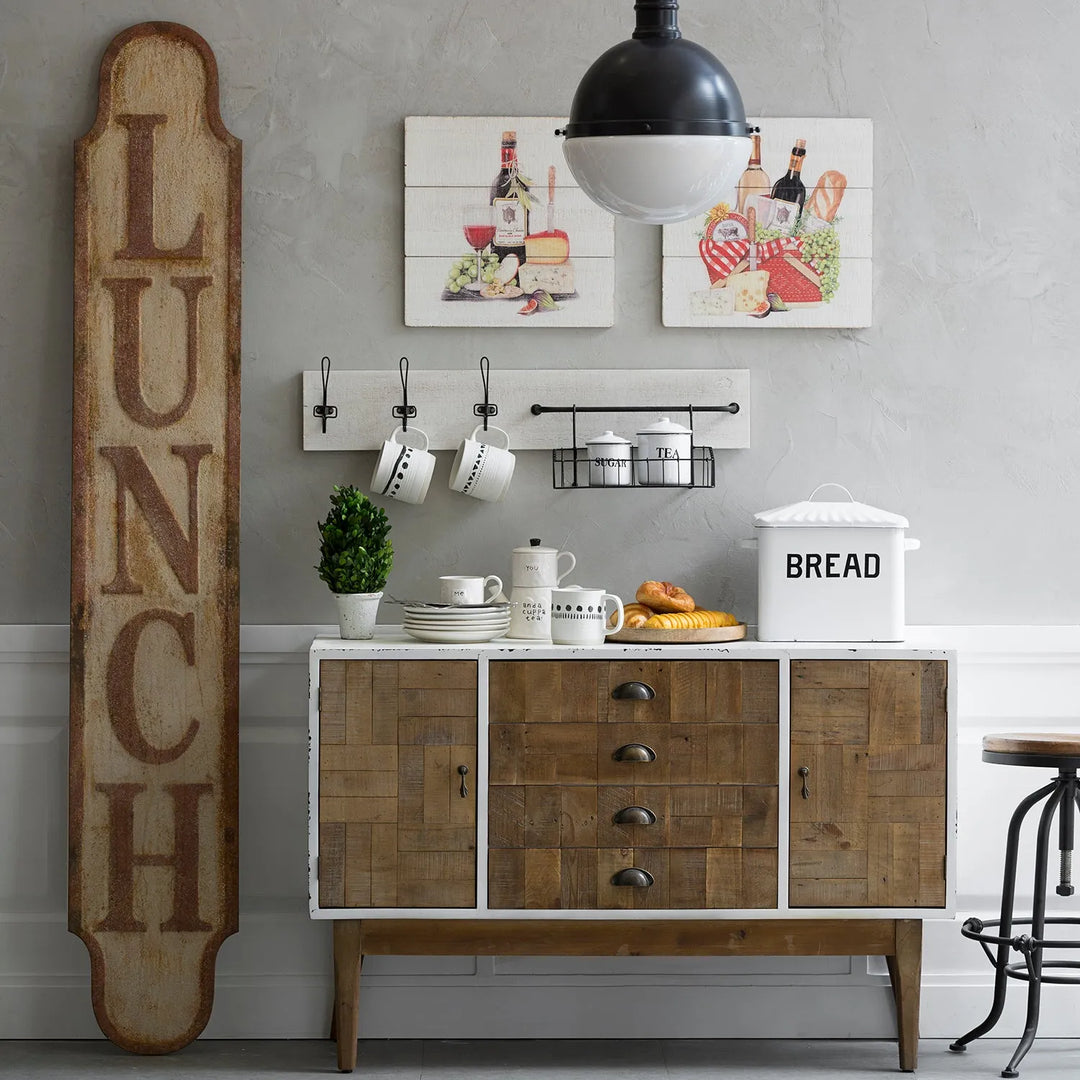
830	571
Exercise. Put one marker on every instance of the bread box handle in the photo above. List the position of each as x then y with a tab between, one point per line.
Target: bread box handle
749	544
851	498
912	545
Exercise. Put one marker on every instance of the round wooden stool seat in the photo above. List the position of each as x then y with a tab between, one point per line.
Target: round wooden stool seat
1048	749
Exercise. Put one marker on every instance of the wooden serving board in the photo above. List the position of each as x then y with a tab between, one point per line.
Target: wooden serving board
643	636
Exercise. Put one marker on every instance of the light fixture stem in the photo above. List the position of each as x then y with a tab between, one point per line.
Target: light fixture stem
657	19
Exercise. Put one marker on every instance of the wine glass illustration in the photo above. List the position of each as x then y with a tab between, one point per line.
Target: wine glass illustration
478	223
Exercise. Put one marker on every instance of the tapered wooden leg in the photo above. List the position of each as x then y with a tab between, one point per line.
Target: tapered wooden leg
905	973
348	946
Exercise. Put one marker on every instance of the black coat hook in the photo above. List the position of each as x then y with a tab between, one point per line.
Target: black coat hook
404	412
485	408
325	412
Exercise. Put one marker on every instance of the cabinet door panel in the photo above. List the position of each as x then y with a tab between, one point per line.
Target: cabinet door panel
873	736
394	828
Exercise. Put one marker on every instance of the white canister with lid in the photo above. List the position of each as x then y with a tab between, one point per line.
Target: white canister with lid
663	455
609	460
536	566
830	571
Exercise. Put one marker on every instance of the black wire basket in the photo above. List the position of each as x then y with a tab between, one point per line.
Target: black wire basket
570	468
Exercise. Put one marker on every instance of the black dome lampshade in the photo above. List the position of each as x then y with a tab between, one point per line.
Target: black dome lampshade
657	129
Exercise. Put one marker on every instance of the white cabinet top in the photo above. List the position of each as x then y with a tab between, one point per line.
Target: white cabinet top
924	642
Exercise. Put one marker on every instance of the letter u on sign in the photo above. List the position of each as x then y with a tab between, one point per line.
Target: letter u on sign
155	514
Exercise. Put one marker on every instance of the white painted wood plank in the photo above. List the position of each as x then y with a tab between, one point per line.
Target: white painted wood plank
851	306
425	278
853	223
434	225
463	151
444	401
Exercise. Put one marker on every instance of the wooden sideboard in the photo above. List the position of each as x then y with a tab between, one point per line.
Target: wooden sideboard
718	800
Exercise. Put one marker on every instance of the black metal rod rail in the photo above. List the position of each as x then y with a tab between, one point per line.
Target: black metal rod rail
538	410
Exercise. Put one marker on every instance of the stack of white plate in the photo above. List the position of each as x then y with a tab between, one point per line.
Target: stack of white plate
456	624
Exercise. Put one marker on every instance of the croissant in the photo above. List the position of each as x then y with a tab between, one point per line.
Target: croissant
636	615
663	596
691	620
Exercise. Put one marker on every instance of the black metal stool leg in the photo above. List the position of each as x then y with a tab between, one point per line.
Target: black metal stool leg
1033	948
1008	888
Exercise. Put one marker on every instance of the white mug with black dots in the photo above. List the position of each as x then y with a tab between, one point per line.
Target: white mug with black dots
579	616
404	466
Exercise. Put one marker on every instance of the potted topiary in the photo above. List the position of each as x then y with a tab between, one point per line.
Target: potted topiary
356	559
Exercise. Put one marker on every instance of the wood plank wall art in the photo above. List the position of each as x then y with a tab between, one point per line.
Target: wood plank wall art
155	518
497	233
809	265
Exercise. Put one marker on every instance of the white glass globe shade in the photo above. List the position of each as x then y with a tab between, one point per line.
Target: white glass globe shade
657	179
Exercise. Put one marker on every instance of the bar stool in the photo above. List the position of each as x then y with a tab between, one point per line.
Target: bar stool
1061	752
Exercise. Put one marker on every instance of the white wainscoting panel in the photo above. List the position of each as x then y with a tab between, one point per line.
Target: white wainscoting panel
274	976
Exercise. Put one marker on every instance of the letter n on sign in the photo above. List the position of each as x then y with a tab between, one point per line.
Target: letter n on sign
154	535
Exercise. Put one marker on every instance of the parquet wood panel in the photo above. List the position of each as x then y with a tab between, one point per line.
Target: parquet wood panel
394	829
873	735
683	878
685	691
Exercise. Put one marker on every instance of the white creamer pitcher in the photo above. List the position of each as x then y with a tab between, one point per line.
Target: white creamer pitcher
538	567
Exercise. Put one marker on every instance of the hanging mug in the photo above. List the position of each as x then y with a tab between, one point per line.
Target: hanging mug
403	469
483	469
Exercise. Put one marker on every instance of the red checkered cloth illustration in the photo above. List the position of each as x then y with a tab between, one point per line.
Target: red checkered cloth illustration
721	258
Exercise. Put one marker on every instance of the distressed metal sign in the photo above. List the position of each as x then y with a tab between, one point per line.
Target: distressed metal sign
155	516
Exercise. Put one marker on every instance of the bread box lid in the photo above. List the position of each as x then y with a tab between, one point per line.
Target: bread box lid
840	515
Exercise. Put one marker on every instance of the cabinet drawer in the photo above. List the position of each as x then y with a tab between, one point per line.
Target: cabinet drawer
618	816
582	878
599	691
634	753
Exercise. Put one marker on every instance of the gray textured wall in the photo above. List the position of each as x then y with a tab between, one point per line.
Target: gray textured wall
958	408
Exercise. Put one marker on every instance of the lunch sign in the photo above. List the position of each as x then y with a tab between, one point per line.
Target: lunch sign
155	521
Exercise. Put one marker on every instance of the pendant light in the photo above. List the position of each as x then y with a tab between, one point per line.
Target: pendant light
657	129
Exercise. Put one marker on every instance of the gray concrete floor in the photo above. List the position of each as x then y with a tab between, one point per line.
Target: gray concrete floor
592	1059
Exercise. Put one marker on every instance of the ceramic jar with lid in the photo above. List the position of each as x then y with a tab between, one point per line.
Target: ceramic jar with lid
537	566
663	455
609	460
534	573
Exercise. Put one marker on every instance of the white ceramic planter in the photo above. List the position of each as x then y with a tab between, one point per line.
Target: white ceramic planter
356	614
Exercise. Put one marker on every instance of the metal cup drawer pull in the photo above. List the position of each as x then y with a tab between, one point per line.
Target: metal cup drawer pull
633	876
633	691
635	751
634	815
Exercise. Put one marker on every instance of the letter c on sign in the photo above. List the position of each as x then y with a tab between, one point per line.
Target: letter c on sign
120	685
